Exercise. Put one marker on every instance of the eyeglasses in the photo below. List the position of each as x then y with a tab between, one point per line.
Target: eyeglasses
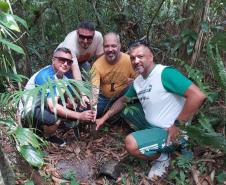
83	37
63	60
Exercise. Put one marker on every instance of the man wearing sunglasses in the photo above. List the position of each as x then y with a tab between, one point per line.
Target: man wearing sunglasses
84	43
49	120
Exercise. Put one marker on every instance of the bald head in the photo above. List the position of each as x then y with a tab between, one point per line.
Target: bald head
112	47
111	35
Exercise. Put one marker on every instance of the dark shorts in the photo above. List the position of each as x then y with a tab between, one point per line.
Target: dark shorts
39	117
45	117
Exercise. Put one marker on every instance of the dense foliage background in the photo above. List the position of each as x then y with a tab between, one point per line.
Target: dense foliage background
189	34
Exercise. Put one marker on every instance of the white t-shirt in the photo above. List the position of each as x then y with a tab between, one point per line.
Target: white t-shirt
161	107
80	54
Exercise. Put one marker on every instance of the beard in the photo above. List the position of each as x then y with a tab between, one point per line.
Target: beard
139	69
112	57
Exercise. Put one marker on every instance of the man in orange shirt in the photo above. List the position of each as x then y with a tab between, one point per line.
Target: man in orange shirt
111	73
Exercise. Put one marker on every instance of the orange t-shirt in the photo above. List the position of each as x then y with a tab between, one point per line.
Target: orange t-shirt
112	79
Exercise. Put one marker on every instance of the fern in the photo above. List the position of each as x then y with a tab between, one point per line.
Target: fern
204	134
217	65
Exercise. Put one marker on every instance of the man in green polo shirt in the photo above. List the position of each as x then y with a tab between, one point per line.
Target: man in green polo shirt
165	96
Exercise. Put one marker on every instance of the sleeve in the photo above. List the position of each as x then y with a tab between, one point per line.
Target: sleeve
174	81
42	78
131	93
99	49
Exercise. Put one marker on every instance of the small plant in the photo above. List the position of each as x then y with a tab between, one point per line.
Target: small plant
181	165
29	183
70	176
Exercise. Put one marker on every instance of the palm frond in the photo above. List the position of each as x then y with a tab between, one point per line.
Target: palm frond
217	65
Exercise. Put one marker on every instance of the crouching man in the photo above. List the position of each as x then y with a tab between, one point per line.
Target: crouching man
50	119
165	97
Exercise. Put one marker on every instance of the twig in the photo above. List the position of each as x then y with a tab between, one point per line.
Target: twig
59	181
152	20
20	36
205	160
195	174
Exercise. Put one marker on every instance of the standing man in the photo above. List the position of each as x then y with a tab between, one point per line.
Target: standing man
112	73
166	97
47	120
84	44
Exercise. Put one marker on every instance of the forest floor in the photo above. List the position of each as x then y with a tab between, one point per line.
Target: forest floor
81	161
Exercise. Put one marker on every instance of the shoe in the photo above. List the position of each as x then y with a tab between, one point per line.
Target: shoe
158	169
56	140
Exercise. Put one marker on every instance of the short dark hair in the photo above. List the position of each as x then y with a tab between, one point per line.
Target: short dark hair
87	25
136	44
63	49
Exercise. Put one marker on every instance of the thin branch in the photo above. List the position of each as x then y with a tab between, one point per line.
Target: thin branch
97	15
198	43
152	20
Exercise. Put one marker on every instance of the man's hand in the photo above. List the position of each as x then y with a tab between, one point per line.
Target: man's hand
173	132
84	101
88	115
99	123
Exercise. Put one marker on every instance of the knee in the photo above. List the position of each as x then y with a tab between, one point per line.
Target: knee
131	144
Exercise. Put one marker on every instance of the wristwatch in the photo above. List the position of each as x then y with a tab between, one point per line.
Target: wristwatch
179	123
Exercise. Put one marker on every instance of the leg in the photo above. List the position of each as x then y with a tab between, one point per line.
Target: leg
132	148
103	104
149	144
49	130
134	114
48	123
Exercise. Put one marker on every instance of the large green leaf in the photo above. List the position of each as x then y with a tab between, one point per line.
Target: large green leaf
21	21
9	22
25	136
12	46
32	155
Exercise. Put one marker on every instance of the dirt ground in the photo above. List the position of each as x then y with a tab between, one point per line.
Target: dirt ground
82	160
83	157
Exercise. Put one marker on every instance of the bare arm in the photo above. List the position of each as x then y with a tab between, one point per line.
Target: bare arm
115	108
194	98
75	70
67	113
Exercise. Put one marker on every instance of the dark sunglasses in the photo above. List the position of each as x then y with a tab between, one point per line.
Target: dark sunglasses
63	60
83	37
